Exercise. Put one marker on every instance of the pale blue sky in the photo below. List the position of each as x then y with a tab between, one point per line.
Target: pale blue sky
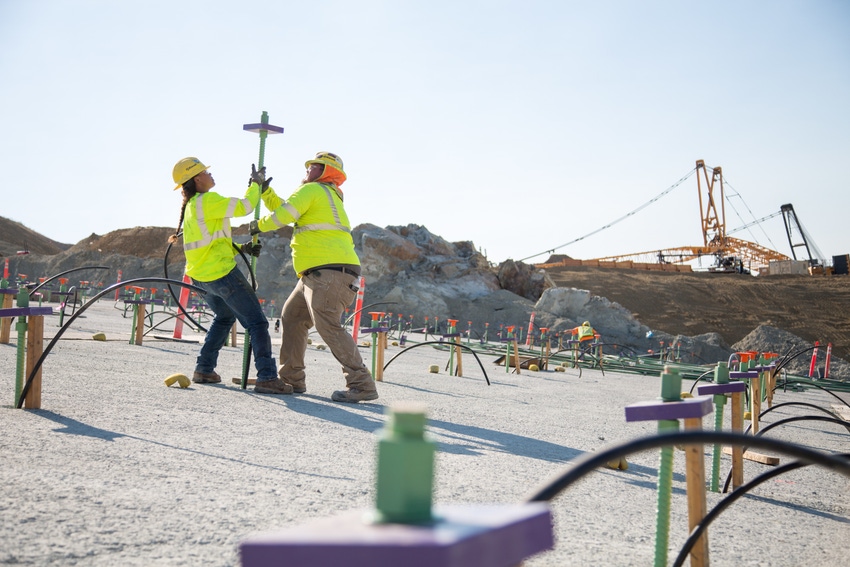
519	125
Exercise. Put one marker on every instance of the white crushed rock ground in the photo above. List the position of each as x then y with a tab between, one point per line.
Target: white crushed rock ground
117	469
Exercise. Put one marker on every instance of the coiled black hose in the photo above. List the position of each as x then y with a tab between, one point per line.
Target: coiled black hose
445	344
593	461
71	319
174	296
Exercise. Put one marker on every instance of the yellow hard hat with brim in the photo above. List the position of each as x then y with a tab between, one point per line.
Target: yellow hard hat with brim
186	169
327	158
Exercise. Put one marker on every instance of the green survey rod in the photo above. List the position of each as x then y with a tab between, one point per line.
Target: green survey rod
263	129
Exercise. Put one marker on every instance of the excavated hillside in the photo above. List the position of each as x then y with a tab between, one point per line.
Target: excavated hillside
815	308
15	238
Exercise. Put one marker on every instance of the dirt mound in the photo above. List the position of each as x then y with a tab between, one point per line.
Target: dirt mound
142	242
16	237
812	307
766	339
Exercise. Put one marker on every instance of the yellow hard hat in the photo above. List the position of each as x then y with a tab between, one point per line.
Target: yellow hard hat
186	169
327	158
586	324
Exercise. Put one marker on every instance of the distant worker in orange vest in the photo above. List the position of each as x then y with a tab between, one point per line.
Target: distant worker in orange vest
585	332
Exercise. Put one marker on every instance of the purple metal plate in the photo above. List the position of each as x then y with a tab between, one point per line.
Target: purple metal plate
744	375
259	127
656	410
25	311
463	536
728	388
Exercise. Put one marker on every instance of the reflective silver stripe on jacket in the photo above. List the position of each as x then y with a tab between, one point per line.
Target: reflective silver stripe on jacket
325	226
206	237
289	209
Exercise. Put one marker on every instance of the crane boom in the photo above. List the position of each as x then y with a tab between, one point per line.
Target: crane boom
728	251
792	223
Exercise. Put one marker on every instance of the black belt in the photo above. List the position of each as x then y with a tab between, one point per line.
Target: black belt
306	273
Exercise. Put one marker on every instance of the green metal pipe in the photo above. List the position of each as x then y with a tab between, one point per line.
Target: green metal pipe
665	491
21	327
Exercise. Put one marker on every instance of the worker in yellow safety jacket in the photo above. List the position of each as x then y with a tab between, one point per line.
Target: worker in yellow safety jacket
328	272
210	262
584	332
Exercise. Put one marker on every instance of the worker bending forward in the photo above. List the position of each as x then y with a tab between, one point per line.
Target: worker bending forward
328	275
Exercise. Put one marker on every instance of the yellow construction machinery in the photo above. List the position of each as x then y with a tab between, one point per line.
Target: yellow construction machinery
730	254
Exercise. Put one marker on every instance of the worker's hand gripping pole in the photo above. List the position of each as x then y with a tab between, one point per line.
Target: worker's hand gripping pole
263	129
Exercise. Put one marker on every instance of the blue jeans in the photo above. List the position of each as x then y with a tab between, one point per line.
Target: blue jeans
231	298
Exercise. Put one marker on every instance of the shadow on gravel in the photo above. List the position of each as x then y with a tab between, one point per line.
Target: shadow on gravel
473	440
74	427
462	439
799	508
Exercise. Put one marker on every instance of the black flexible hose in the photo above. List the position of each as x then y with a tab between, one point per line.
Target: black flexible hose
441	343
762	431
62	329
785	360
806	404
715	512
171	290
699	378
167	319
593	461
59	275
807	382
350	317
64	303
254	284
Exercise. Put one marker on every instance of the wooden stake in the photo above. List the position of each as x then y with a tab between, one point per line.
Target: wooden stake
6	322
35	345
771	384
755	402
140	323
695	479
737	451
381	340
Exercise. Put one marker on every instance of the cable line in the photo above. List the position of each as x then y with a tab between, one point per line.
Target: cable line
609	225
732	205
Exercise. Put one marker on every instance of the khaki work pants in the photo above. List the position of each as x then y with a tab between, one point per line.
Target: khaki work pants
319	299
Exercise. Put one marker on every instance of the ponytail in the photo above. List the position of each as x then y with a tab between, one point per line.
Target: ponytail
189	191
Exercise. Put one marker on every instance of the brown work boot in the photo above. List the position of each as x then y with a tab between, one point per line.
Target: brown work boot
276	386
354	395
297	387
206	378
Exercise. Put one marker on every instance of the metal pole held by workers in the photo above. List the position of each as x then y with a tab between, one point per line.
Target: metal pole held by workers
263	129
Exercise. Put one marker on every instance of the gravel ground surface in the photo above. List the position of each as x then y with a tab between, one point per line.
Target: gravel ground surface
117	469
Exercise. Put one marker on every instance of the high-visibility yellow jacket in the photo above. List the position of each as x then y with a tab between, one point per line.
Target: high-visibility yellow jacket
322	233
206	232
584	332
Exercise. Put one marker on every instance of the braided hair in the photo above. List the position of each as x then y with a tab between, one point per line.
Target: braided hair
189	191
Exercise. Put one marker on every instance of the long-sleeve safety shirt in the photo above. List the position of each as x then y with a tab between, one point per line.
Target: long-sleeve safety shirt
206	232
322	234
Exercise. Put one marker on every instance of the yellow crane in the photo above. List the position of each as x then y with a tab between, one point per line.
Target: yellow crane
731	254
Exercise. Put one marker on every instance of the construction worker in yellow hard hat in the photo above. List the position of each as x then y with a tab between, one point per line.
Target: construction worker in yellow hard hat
328	276
205	219
584	332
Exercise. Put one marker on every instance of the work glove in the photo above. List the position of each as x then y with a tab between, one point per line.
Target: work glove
252	249
259	177
254	227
